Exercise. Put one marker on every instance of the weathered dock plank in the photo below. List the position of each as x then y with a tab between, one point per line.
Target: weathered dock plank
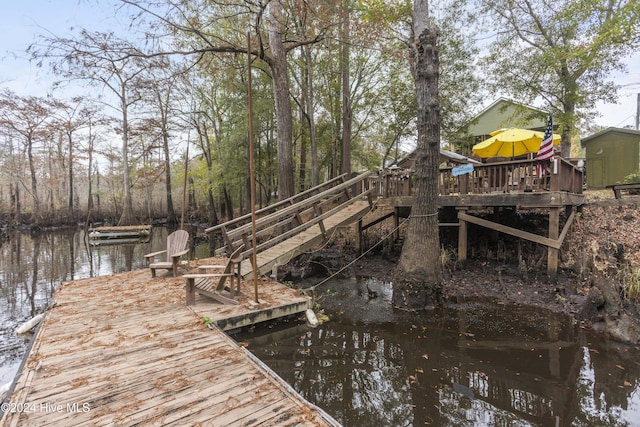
126	350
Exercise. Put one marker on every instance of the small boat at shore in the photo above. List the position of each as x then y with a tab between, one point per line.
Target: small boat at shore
120	232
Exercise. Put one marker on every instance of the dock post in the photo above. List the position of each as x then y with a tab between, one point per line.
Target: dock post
359	237
396	222
191	291
462	237
554	233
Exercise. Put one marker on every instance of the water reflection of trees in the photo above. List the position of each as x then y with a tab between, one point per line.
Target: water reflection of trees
33	265
478	368
347	371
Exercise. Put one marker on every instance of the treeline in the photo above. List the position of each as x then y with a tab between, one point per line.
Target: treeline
161	125
332	92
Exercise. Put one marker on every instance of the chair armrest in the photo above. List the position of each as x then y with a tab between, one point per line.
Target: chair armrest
179	254
151	255
206	275
212	267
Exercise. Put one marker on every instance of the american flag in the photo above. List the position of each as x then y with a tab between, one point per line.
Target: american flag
546	146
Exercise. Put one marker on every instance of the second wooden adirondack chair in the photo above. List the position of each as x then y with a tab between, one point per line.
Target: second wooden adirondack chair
213	284
176	247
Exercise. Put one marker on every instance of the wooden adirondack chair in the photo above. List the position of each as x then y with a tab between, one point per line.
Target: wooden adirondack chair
205	283
176	247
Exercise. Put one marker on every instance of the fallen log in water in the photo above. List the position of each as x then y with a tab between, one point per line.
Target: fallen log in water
4	389
30	324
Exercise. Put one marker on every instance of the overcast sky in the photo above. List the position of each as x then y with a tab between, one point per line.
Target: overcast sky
22	20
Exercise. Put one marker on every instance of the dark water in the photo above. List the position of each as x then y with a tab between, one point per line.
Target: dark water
371	365
33	265
485	365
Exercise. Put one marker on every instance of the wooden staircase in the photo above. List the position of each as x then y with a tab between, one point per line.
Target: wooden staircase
295	225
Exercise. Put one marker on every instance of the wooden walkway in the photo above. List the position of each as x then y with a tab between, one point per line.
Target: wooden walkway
285	251
293	226
126	350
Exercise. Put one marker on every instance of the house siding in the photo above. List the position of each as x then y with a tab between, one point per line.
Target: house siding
507	114
611	156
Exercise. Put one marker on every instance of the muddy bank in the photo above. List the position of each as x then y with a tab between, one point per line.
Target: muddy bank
599	259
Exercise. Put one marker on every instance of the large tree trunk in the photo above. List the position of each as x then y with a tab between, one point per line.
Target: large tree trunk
171	213
418	276
70	201
34	180
569	105
18	205
278	64
89	180
315	168
205	147
302	173
90	140
127	217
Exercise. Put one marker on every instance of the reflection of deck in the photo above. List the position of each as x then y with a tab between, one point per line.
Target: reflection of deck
126	350
525	364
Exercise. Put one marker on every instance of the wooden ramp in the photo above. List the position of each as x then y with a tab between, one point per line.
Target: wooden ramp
297	224
304	240
126	350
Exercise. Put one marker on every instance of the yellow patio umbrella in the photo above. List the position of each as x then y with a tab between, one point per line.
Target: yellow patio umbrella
511	142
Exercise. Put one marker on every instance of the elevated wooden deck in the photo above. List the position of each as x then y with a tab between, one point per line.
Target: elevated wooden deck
500	184
517	184
126	350
293	226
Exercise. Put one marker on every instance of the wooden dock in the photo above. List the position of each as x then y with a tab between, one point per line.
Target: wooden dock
120	232
126	350
275	301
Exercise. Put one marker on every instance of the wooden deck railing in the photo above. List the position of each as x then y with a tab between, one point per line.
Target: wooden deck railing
502	177
274	226
246	219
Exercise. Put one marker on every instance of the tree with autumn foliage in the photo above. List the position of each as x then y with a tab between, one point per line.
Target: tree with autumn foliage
26	119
